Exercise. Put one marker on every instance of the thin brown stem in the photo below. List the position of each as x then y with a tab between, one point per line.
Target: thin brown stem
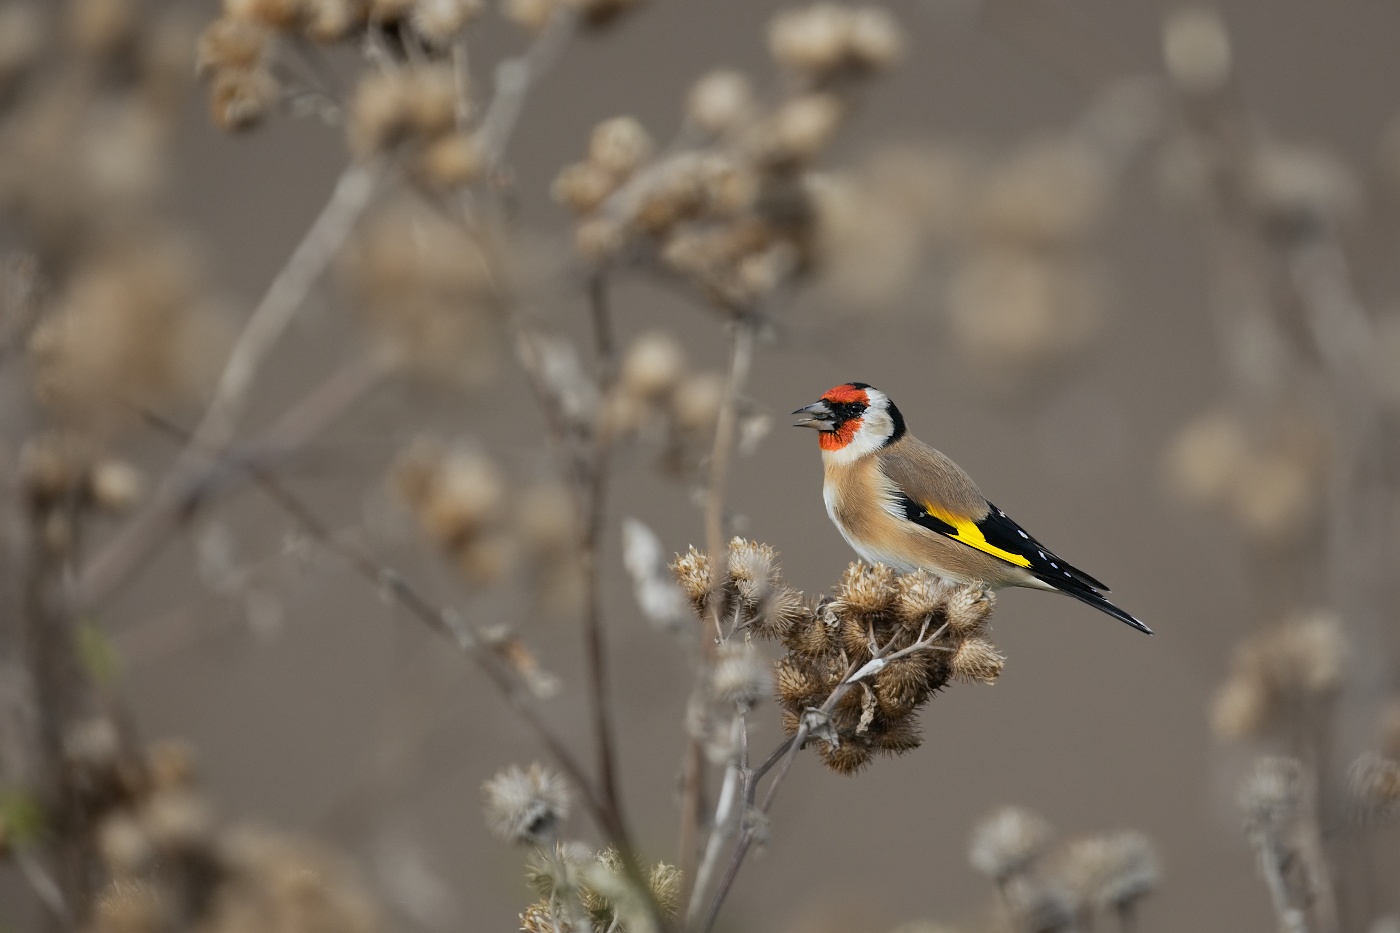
692	782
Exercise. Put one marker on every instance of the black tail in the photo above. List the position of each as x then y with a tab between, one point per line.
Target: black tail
1087	594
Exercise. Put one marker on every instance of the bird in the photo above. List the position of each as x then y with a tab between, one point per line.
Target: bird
899	502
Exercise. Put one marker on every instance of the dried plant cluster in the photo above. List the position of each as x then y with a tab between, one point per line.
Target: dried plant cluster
1046	886
732	209
865	660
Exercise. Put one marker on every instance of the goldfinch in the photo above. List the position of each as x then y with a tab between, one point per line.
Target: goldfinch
901	503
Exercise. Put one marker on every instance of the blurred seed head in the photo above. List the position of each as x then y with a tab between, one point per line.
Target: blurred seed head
721	102
1374	785
797	131
333	20
526	805
232	44
1008	842
393	107
652	365
102	29
977	660
1110	872
530	14
450	162
619	146
1196	47
1297	191
1272	796
740	675
1301	661
599	13
240	99
1051	195
820	40
441	21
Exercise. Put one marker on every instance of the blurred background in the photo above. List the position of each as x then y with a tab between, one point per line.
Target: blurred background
1036	235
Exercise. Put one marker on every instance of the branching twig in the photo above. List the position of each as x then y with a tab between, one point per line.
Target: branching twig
515	77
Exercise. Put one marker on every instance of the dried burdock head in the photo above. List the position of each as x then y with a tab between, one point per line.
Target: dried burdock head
1279	672
905	684
454	493
652	365
556	871
334	20
274	14
740	675
438	22
429	291
583	186
823	39
781	611
1196	47
1266	473
1014	308
850	757
450	162
696	402
619	146
230	44
241	99
530	14
394	107
721	102
797	686
102	29
753	572
275	882
977	661
967	608
797	131
1374	784
1007	843
694	575
129	328
526	805
865	590
1110	872
540	917
571	879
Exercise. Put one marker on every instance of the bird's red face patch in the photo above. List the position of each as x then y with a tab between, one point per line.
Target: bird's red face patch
841	435
847	393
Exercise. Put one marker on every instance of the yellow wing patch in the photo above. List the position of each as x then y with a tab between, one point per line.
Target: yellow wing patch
968	533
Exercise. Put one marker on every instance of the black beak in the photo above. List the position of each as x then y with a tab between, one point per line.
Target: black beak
816	415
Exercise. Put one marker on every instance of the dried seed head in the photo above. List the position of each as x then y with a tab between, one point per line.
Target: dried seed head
334	20
530	14
665	883
795	686
904	684
1301	660
1205	458
898	735
275	14
799	129
526	805
1241	707
391	107
920	597
232	44
967	607
102	28
132	907
652	365
978	660
619	146
858	638
696	402
1048	196
693	574
779	613
390	12
455	494
114	485
873	40
811	40
441	21
1374	783
816	637
1196	46
451	162
1006	843
539	918
847	758
753	571
1110	872
600	239
583	186
170	764
241	99
740	675
124	846
866	589
721	102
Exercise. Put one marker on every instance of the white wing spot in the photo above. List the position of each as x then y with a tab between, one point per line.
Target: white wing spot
1066	573
1023	534
1042	554
1055	565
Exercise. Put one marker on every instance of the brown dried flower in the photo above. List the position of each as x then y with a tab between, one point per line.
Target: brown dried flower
1298	662
1008	842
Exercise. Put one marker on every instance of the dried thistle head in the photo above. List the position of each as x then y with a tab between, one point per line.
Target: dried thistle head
1008	842
721	102
1272	796
866	589
1111	872
977	660
1301	661
740	675
1374	785
694	576
438	22
526	805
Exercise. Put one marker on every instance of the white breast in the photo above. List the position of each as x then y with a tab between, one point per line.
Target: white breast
867	554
